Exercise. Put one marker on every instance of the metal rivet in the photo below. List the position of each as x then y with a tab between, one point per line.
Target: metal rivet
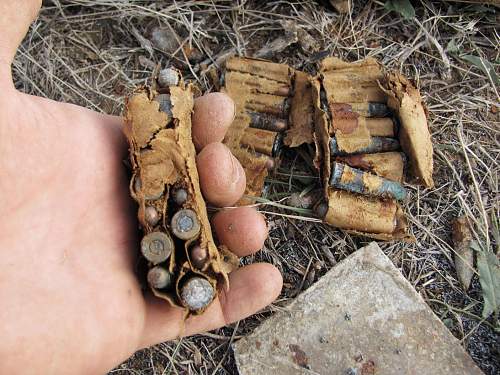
159	278
180	196
157	247
197	293
198	256
168	77
185	224
151	215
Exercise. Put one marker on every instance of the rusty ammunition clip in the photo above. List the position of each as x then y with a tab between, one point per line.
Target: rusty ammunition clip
366	124
260	90
165	185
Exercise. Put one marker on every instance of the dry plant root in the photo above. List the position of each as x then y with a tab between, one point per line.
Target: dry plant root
184	265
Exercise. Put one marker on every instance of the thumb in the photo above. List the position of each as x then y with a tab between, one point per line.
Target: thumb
14	22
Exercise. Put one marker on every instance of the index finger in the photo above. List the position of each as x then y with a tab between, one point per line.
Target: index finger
213	114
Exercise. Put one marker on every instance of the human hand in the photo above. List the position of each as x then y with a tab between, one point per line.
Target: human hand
68	234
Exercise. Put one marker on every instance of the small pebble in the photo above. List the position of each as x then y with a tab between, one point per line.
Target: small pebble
151	215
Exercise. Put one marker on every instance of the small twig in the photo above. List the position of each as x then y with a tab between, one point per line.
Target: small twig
228	347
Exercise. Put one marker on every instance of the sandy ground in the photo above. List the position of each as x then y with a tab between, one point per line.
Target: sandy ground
93	52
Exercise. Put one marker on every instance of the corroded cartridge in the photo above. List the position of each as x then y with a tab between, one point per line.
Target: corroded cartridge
197	293
263	141
376	144
267	122
389	165
356	181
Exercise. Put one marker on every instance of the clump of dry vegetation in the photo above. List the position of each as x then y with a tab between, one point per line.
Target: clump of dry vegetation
93	52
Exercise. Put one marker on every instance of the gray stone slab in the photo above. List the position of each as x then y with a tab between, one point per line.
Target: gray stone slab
363	317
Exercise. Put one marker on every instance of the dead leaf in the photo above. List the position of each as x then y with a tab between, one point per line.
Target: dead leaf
464	256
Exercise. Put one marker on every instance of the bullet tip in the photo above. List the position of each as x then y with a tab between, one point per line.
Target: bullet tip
197	293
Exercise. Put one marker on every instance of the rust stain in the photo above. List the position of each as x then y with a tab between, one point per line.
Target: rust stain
344	119
356	161
258	344
371	182
348	175
299	356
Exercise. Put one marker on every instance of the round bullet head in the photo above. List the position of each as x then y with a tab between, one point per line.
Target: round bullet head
185	224
151	215
180	196
168	77
159	278
197	293
157	247
198	256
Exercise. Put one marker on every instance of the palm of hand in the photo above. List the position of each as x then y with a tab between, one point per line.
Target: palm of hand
72	266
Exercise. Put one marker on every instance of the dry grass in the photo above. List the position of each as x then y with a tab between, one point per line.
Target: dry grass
92	52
